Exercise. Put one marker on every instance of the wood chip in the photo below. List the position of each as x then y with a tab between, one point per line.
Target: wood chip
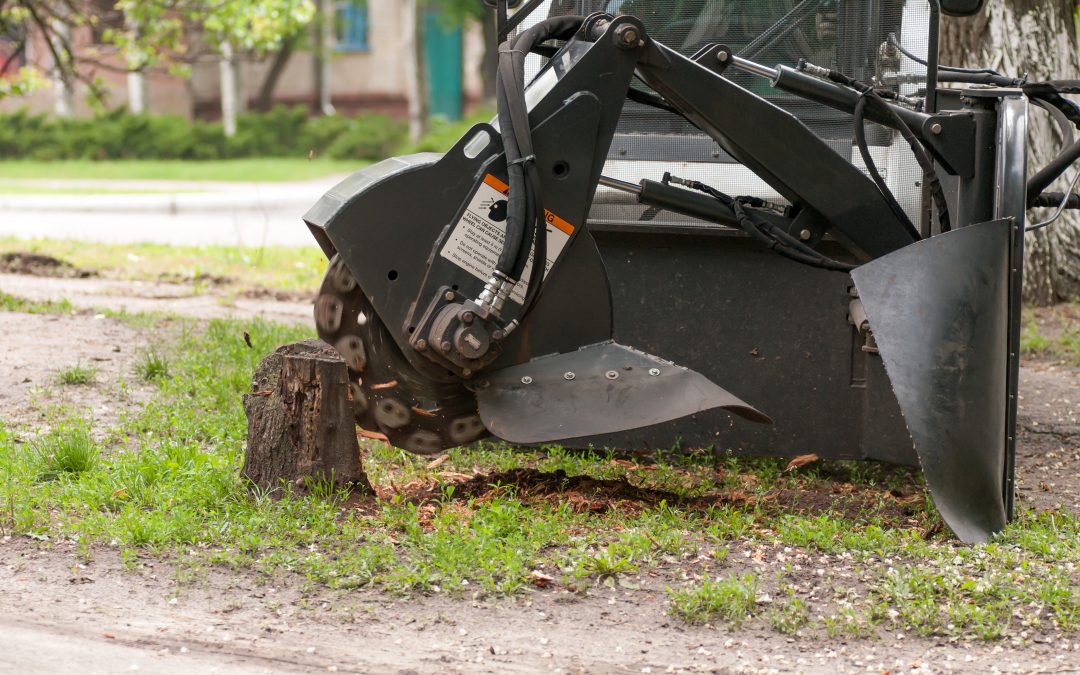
437	461
800	461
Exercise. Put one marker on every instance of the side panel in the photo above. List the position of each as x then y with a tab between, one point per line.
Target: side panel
774	332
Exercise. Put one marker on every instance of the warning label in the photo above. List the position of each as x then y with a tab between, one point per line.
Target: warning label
477	239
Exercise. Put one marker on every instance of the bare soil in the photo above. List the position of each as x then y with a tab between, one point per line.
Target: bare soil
58	609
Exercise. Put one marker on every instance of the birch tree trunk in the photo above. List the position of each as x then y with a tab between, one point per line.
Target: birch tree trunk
227	73
419	91
1037	37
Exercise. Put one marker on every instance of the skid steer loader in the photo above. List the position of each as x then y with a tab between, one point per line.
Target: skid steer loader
774	228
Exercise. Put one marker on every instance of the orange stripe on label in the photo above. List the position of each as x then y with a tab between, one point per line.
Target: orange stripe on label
551	218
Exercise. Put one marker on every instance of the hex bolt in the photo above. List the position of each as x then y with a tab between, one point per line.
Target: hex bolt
497	335
466	372
935	128
654	372
467	317
627	36
421	345
805	234
526	380
445	346
568	375
611	375
449	295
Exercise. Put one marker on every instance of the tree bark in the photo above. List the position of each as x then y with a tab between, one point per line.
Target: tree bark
269	83
1037	37
300	420
227	74
324	37
419	90
489	64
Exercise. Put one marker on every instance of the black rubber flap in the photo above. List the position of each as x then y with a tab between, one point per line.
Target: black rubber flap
939	312
598	389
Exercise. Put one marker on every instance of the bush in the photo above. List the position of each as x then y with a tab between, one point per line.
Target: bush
118	134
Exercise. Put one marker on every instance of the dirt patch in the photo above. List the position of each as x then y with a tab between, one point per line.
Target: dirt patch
161	619
150	297
37	264
37	347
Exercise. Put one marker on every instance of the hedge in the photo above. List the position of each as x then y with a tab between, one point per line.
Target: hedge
282	132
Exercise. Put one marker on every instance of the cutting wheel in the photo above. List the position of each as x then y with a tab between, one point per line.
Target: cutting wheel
423	413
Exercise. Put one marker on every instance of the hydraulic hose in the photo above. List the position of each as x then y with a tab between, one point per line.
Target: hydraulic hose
524	206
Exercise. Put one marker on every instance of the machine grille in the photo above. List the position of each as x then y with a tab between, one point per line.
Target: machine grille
854	36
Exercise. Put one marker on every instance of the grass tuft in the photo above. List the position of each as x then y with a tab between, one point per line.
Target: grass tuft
152	365
77	375
66	450
733	599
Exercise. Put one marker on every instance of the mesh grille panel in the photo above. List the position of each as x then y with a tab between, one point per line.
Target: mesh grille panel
852	36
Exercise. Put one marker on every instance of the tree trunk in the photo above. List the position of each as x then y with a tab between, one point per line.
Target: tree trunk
489	64
228	90
300	420
1037	37
324	19
269	83
419	90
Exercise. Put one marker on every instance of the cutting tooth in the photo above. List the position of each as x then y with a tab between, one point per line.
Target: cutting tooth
328	311
359	399
466	429
352	350
424	443
392	413
341	277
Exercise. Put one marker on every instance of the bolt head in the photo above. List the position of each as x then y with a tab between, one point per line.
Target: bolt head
611	375
655	372
568	375
526	380
935	128
421	344
449	295
805	234
467	317
445	346
723	55
466	372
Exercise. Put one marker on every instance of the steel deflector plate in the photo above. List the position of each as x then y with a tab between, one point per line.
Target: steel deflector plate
939	312
599	389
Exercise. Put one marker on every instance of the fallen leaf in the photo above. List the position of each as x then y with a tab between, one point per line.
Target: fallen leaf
539	579
800	461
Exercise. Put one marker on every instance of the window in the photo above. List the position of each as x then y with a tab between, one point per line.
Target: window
351	21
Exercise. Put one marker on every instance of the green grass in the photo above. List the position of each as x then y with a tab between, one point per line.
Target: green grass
1056	333
11	303
76	375
64	451
733	599
240	170
720	533
275	268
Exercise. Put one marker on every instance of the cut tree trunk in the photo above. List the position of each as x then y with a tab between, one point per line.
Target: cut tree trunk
1036	37
300	420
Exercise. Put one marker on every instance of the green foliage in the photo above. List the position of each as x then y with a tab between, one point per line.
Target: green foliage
117	134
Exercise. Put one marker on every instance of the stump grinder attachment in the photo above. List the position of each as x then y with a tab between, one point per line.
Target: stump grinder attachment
819	256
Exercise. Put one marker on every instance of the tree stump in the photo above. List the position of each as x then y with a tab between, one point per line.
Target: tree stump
300	420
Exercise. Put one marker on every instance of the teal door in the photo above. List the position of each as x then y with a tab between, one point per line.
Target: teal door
442	44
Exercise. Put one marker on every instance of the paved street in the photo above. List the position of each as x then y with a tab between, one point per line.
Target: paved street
255	214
